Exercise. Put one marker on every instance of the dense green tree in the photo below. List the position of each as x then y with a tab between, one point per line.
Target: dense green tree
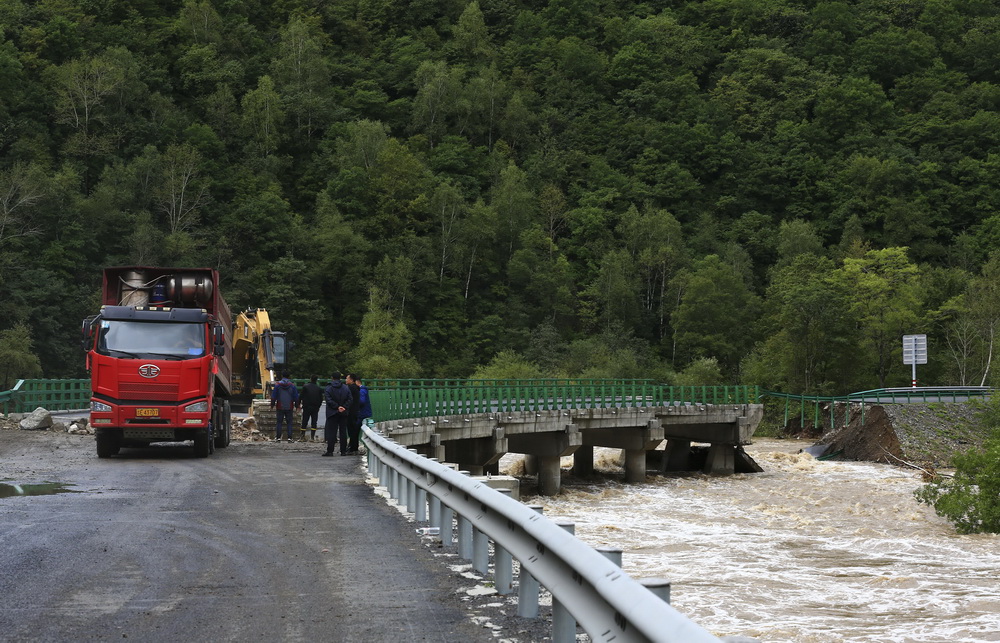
715	315
884	303
383	349
712	179
805	326
302	75
19	362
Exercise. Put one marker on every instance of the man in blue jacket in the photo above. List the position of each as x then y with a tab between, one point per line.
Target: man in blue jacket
338	405
285	399
363	411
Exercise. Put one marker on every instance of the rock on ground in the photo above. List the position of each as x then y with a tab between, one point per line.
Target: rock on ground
38	420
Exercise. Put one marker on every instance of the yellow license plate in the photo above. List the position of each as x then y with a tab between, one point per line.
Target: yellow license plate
147	413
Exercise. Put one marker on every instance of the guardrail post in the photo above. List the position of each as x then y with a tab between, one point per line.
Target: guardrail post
527	587
614	554
434	508
563	623
480	551
464	538
421	515
503	564
434	505
445	526
464	534
659	586
411	496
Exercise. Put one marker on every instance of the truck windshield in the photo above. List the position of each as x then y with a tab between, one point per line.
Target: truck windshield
146	340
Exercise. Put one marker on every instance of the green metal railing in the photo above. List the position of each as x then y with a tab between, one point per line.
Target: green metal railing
463	397
396	399
875	396
53	395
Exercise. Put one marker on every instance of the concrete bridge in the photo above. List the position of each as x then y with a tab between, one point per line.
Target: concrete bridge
477	441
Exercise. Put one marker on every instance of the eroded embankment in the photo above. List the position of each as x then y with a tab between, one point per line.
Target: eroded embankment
928	434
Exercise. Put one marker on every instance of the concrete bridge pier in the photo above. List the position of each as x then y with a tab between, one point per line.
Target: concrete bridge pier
583	461
676	456
547	448
477	455
635	441
635	465
436	448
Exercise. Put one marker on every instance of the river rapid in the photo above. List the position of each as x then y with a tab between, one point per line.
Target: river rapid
807	551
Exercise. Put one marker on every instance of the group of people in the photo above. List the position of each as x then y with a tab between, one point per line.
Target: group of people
347	407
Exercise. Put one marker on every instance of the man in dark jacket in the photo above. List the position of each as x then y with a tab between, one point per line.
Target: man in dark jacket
364	407
312	400
353	428
338	405
284	398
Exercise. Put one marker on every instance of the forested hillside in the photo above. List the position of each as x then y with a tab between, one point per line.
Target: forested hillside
766	191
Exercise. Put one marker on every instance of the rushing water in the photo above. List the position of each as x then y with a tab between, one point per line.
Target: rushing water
807	551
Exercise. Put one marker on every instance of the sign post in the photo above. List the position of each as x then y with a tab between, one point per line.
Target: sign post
914	352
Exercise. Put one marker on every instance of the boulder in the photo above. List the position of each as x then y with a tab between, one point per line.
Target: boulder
37	420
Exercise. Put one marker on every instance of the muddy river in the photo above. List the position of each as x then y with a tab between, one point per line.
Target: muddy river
808	551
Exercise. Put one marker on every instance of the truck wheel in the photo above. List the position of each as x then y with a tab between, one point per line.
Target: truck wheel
201	444
107	444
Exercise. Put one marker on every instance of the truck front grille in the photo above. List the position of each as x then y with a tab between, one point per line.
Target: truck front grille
143	391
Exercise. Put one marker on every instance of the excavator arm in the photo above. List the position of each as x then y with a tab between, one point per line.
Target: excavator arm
258	351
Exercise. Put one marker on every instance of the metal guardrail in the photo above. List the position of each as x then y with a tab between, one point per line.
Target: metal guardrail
51	394
910	395
594	592
922	394
7	398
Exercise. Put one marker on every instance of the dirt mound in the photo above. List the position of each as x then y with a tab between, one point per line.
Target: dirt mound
926	434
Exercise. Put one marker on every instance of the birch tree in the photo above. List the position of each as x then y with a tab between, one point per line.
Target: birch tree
181	193
21	188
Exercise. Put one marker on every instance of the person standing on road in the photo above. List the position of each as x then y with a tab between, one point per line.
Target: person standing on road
364	408
285	399
338	404
312	400
353	429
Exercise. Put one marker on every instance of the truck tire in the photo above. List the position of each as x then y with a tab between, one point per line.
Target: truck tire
202	444
223	429
108	444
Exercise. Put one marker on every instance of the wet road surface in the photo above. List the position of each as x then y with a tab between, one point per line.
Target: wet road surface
260	541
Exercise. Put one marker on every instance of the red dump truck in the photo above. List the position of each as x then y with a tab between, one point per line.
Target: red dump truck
159	355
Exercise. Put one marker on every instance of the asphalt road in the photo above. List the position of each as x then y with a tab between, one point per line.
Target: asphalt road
259	542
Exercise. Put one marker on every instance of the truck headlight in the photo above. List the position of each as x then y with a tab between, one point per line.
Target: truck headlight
197	407
99	407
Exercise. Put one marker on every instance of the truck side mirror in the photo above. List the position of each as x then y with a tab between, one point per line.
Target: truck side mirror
87	332
219	339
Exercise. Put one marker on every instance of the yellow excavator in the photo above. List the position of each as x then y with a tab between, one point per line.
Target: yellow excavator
258	351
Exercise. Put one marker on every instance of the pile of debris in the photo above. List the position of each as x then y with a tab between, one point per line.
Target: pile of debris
41	420
247	430
243	429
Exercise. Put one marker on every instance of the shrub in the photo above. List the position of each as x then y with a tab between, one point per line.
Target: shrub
971	499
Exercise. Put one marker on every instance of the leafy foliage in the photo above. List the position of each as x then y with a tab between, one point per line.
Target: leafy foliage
16	356
783	187
971	499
